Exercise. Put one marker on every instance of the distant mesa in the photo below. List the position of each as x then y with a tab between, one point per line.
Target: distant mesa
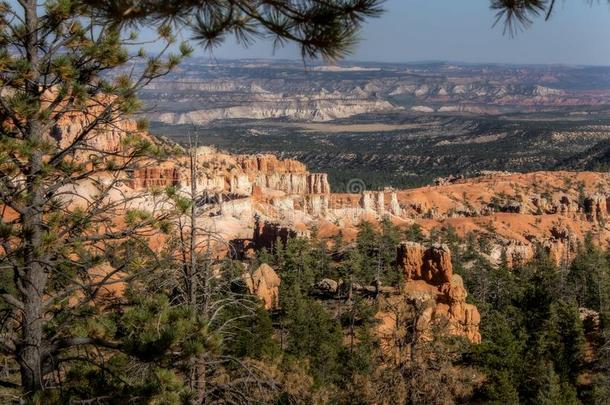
422	109
337	68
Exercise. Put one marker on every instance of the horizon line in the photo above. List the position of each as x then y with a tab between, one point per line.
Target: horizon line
320	62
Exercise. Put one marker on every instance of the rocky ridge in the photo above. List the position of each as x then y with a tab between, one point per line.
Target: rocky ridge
311	110
516	212
251	200
201	93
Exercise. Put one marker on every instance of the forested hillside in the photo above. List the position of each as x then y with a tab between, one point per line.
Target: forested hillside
544	332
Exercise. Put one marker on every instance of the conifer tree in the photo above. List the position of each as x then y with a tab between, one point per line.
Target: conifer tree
67	60
517	15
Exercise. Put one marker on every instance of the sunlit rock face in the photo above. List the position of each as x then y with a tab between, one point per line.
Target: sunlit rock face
265	284
432	264
515	212
508	209
429	278
304	108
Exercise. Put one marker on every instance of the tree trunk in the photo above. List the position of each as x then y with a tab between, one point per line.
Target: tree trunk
199	364
32	283
201	379
29	353
192	282
32	279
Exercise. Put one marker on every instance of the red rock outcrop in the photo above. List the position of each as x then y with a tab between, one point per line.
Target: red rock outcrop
269	164
149	177
432	265
561	245
373	201
464	319
262	176
517	253
429	279
265	284
111	130
289	176
300	183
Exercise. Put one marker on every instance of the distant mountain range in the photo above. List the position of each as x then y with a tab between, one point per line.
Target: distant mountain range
201	91
401	124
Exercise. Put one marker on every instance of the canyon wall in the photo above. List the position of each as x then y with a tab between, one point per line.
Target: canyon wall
514	212
310	109
251	201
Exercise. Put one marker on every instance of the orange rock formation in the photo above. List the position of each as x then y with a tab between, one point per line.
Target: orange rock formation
265	284
432	301
429	279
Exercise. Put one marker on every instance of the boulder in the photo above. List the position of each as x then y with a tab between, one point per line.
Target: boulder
327	286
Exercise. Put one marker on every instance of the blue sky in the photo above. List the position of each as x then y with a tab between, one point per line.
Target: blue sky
461	31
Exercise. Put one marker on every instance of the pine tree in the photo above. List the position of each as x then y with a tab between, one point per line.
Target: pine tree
588	279
414	233
63	60
312	335
501	354
554	392
388	240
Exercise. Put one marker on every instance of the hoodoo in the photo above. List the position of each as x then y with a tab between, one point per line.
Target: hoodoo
429	279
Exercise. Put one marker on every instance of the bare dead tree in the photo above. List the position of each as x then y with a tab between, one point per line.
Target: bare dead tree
201	277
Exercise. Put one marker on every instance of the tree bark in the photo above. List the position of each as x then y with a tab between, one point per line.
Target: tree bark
32	279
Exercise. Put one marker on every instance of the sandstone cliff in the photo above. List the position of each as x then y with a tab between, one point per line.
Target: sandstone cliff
306	108
515	212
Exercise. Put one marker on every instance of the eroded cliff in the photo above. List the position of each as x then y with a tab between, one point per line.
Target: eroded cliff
514	212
